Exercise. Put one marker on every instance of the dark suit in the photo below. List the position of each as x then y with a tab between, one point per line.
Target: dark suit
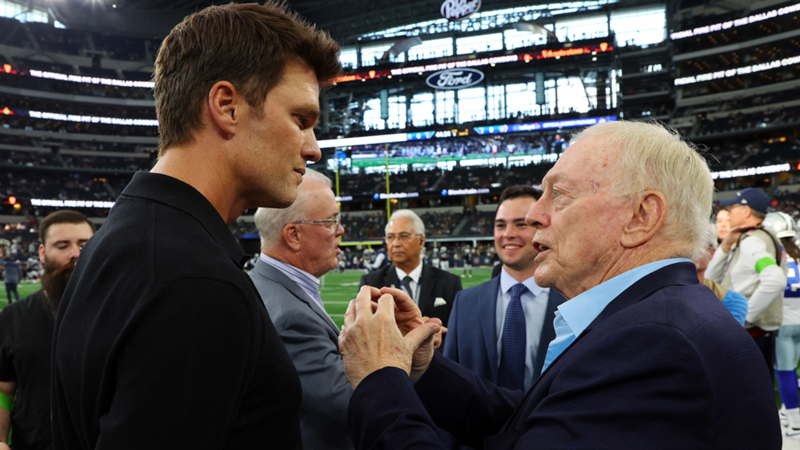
472	330
664	366
434	283
312	341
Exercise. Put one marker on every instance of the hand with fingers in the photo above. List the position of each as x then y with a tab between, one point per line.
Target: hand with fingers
371	339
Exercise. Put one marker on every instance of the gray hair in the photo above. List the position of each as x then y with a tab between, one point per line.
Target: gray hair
271	221
416	222
652	156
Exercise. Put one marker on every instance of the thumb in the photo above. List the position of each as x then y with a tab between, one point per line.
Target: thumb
421	334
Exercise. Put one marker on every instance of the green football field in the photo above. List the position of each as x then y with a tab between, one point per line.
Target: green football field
339	289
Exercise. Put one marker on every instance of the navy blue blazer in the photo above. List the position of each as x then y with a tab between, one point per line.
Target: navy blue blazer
664	366
472	330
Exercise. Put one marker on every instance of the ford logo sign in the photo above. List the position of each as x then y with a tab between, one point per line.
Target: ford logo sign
455	10
455	79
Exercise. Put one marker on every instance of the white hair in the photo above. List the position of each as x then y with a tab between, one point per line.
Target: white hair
652	156
416	222
271	221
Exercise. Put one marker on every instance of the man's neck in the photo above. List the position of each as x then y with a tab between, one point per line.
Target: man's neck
520	275
625	262
203	170
408	267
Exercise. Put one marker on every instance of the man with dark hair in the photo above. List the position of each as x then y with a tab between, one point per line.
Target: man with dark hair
511	307
162	341
26	334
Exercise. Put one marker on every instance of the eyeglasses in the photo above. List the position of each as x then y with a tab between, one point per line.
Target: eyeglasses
402	237
331	224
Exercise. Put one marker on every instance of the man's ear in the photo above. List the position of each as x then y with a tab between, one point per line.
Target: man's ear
649	214
422	240
225	106
292	236
41	253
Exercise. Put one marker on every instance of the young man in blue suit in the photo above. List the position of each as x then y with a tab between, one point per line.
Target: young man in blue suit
644	356
486	317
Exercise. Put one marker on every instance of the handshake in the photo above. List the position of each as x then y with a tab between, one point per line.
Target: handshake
384	328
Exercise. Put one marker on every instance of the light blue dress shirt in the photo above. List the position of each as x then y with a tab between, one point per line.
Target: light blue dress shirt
534	305
307	282
573	316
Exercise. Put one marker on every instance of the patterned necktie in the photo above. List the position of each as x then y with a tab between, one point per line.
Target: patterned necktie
514	342
407	284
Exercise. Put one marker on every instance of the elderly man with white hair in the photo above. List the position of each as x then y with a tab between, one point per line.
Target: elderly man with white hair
644	356
299	245
432	289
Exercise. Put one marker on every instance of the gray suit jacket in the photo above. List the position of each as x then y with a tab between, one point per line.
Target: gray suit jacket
312	340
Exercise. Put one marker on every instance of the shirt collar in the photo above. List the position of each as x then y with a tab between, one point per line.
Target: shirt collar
179	195
581	311
507	282
415	274
290	269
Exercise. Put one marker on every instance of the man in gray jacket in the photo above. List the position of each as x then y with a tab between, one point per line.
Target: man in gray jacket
300	244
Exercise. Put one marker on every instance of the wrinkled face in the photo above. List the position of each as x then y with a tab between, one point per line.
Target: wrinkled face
403	243
320	242
275	146
723	223
63	242
578	219
513	237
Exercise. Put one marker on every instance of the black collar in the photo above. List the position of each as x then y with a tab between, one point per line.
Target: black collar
179	195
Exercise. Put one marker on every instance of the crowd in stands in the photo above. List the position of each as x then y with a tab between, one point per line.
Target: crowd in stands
472	177
60	185
480	223
365	226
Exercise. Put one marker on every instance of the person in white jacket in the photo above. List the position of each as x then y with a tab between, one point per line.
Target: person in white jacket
753	269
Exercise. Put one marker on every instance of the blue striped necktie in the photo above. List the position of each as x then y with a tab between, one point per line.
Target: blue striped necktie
513	343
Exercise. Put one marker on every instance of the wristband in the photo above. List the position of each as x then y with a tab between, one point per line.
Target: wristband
6	402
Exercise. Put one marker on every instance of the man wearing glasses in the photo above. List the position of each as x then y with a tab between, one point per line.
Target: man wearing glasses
432	289
300	244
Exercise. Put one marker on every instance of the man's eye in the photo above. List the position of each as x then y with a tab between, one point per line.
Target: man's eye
556	193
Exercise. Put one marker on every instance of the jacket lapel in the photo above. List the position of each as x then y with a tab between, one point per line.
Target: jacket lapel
270	272
427	281
390	277
487	306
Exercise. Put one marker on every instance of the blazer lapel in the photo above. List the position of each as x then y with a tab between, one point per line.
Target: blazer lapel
390	277
427	280
272	273
487	307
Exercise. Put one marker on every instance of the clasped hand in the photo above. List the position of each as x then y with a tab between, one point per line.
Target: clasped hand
384	328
